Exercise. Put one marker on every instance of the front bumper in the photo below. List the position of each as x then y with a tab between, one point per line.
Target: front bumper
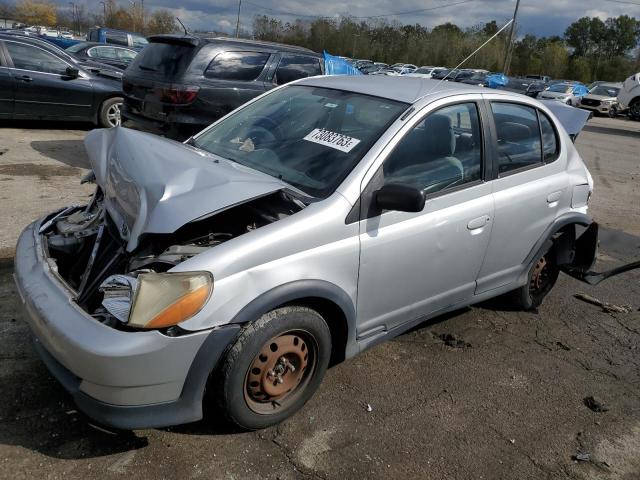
121	379
599	108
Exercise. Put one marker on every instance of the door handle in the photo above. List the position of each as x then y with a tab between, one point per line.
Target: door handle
554	197
478	222
25	78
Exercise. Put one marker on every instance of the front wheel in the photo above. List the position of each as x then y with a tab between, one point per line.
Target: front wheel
109	114
275	366
541	279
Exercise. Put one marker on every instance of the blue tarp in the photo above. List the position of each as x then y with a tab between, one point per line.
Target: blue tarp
337	66
496	80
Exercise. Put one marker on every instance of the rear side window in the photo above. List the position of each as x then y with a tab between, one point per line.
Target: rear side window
163	59
117	38
244	66
124	54
103	52
550	144
518	134
293	67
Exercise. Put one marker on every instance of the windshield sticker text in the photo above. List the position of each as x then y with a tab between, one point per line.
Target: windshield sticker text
332	139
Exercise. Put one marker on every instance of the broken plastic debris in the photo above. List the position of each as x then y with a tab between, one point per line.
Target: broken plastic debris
606	307
595	405
582	457
369	408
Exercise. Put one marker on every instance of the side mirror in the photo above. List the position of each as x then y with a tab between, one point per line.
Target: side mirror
399	197
72	72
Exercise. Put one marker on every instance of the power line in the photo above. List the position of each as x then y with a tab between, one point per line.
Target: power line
392	14
623	2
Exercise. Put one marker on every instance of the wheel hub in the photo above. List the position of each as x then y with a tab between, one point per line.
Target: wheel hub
539	276
278	369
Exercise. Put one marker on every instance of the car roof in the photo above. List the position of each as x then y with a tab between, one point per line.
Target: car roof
195	41
402	89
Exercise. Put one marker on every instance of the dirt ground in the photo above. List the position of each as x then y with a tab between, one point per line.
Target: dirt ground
483	393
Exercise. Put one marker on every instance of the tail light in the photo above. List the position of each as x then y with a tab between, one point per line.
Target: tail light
178	94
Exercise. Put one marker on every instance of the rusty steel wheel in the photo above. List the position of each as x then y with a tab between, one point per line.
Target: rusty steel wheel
539	276
280	371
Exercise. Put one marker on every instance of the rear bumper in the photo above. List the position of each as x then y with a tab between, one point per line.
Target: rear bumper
176	117
121	379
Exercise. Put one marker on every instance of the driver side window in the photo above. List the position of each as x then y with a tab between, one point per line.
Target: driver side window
26	57
442	151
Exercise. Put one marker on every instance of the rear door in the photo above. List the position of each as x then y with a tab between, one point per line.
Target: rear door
231	79
295	66
7	87
530	191
42	87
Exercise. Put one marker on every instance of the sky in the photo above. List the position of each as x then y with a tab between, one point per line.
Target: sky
540	17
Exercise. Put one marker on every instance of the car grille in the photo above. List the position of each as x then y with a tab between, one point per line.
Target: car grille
590	103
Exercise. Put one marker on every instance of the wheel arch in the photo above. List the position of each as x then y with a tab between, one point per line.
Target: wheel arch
329	300
554	236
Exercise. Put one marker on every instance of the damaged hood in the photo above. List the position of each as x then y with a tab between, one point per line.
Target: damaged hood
572	119
155	185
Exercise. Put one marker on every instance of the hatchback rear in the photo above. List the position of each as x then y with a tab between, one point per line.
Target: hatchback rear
185	81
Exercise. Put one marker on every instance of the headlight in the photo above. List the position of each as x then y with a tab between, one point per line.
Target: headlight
156	300
165	299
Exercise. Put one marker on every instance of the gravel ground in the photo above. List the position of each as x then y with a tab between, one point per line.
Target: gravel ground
481	393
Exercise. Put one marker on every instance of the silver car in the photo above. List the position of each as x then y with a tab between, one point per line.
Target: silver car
602	99
314	222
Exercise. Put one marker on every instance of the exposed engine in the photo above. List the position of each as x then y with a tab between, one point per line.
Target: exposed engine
87	248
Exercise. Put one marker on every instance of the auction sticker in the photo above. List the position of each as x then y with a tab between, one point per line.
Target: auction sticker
332	139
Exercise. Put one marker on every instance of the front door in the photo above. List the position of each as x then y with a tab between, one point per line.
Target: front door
42	87
415	264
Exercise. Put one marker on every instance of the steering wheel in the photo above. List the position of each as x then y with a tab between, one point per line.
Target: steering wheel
276	130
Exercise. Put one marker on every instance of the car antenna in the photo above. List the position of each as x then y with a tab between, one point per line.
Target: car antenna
471	55
186	32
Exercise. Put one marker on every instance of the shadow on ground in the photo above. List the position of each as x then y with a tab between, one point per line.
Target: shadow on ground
69	152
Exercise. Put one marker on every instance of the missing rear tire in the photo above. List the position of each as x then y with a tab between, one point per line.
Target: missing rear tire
541	279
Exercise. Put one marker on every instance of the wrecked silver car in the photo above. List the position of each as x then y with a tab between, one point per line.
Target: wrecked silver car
310	224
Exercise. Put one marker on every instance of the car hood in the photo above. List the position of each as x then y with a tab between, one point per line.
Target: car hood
155	185
548	94
599	97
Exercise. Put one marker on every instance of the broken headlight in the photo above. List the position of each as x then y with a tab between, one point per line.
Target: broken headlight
156	300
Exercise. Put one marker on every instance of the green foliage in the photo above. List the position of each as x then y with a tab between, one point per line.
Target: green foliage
591	49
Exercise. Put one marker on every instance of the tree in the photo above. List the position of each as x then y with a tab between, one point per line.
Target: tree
161	21
36	13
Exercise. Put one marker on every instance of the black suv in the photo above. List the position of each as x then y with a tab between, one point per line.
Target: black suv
180	83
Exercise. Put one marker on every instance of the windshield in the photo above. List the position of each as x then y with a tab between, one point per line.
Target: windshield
561	88
308	137
605	91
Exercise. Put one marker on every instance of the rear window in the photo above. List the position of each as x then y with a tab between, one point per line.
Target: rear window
293	67
244	66
163	59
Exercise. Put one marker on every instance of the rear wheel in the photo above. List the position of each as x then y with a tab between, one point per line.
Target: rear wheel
275	366
109	114
542	277
634	110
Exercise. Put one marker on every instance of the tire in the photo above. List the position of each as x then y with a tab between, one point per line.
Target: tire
109	114
540	280
613	112
254	386
634	110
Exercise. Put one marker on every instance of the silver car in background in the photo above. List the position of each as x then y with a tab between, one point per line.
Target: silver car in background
314	222
602	99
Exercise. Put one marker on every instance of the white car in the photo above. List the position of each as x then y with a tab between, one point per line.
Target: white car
424	72
629	96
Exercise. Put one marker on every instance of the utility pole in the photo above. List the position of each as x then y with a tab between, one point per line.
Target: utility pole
104	16
238	20
509	52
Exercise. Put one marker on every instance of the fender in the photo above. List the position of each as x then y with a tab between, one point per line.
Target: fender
298	290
